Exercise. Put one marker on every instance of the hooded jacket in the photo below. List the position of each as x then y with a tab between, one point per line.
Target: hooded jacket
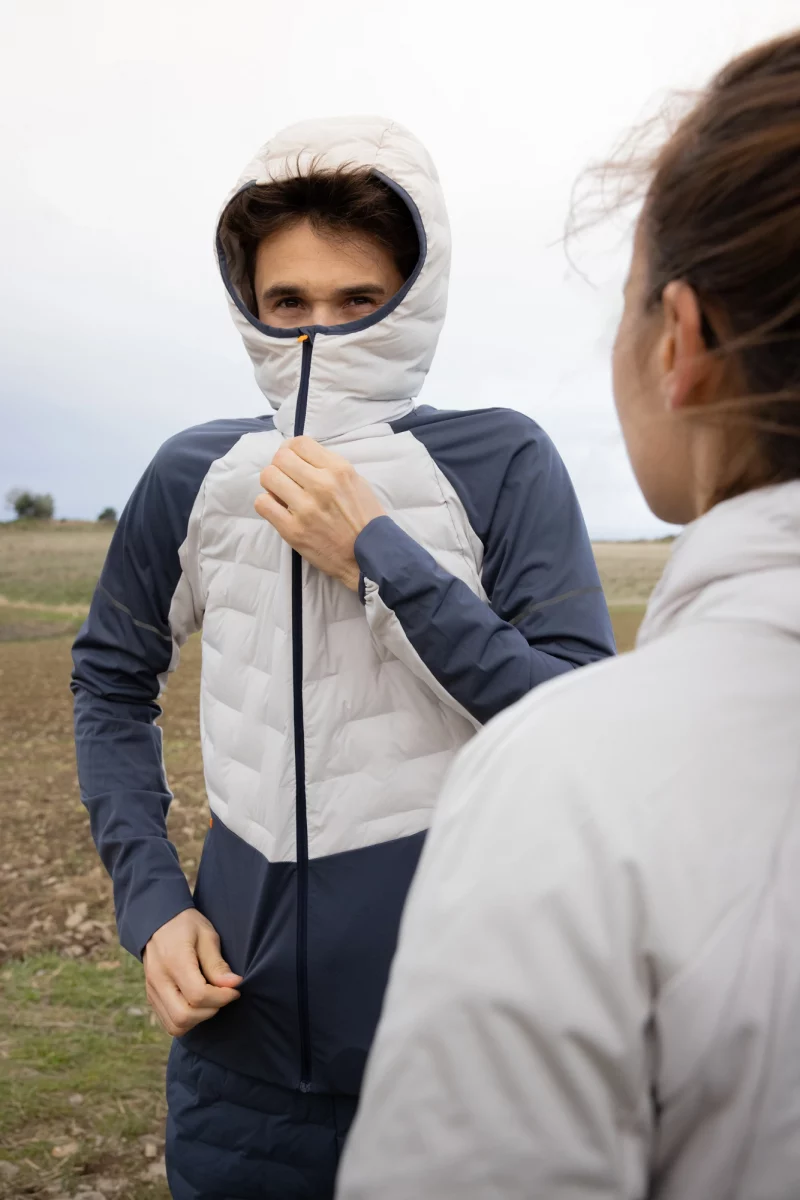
597	988
328	719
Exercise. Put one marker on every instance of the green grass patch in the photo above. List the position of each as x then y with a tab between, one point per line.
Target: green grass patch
51	563
20	623
81	1073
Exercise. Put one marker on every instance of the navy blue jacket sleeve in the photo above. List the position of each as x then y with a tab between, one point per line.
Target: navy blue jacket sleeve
142	611
124	649
546	613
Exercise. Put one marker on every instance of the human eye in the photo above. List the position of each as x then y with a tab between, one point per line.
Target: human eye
362	302
289	302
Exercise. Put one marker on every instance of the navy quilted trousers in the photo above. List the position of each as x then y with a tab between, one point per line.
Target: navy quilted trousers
232	1137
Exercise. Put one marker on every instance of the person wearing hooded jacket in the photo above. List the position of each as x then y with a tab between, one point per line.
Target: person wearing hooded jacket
596	994
374	580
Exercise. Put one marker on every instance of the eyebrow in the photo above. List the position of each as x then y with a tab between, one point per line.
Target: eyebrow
281	291
278	291
362	289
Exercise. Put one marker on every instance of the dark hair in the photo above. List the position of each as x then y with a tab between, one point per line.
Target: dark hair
722	213
338	202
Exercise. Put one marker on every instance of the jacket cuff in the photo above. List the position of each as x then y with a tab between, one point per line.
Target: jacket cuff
138	920
388	557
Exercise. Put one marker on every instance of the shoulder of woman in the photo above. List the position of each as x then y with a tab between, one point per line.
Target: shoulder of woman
591	745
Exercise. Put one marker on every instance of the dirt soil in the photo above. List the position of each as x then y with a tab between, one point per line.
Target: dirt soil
54	894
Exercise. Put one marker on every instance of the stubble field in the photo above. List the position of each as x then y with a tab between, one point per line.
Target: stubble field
81	1060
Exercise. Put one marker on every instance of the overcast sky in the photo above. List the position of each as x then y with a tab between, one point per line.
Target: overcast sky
124	126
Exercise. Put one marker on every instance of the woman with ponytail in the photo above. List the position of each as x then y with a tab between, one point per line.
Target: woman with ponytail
597	990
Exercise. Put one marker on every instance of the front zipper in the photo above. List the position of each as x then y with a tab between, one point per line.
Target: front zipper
301	818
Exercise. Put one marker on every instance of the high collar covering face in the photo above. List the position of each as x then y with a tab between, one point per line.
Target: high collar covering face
367	371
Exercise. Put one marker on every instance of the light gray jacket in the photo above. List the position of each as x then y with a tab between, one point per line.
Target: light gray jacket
597	991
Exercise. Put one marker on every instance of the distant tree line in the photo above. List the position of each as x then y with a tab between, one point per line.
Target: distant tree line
35	506
40	506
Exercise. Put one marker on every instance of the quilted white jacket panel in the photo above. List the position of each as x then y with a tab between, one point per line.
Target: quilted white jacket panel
378	736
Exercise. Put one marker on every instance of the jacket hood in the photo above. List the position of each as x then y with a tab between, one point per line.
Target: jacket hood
367	371
739	562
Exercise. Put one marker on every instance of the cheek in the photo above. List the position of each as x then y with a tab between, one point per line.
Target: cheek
631	398
656	442
624	374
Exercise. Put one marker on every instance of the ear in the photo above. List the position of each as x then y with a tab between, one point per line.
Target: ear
682	354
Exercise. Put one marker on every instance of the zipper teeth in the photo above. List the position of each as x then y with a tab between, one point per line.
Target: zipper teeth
301	822
302	391
301	825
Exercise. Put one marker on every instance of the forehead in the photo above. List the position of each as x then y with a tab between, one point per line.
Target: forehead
300	249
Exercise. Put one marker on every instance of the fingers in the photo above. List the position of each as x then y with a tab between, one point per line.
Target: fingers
180	994
309	463
302	466
212	964
172	1010
296	468
283	487
278	516
311	452
184	972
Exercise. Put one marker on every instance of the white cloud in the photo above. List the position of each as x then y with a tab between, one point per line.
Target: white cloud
124	127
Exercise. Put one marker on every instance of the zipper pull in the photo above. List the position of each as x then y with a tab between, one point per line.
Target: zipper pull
303	337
